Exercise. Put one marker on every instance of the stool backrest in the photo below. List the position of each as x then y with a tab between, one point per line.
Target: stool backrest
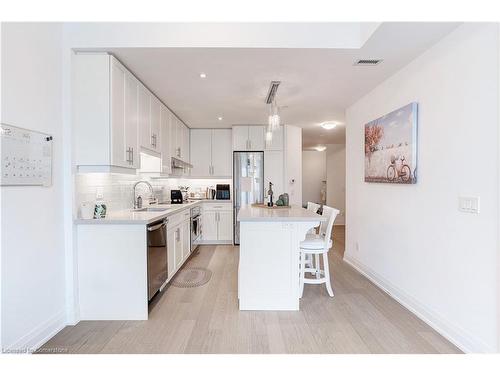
313	206
326	227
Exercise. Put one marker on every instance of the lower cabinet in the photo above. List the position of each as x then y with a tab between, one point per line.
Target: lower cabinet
179	241
217	223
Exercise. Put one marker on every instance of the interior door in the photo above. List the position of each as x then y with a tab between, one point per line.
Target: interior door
221	152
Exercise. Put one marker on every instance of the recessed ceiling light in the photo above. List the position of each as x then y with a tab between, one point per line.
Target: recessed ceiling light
203	75
219	118
329	125
320	148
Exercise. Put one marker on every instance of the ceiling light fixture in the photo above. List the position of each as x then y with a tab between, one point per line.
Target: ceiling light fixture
329	125
203	75
320	148
219	118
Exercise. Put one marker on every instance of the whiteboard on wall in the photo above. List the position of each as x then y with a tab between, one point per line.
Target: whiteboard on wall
26	157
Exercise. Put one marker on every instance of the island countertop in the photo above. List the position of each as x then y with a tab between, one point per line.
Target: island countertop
294	213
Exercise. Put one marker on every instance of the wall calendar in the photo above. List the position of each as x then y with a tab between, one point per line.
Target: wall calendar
26	157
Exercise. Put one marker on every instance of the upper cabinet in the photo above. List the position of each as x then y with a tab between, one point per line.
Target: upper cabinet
211	154
248	138
116	117
104	114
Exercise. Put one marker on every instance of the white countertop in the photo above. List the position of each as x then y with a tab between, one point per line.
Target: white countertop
295	213
131	216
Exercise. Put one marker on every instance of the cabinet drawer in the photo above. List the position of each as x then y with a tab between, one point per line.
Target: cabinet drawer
179	217
218	206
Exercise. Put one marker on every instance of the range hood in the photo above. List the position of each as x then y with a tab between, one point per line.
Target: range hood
180	164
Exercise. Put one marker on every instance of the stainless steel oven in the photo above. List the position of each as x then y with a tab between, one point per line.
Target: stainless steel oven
157	256
196	229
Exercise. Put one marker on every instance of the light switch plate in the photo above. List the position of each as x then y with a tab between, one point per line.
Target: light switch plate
468	204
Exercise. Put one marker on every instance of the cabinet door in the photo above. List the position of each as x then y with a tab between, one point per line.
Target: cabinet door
240	138
131	121
178	247
171	251
277	141
166	165
118	154
155	124
222	156
256	138
144	117
225	225
173	136
186	239
273	172
185	143
178	133
201	151
209	225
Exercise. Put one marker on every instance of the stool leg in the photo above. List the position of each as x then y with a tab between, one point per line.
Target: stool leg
302	273
318	268
327	274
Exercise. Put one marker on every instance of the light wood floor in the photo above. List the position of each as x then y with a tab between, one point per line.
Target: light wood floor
359	319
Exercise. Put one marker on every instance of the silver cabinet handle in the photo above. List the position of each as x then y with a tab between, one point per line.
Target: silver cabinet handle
156	227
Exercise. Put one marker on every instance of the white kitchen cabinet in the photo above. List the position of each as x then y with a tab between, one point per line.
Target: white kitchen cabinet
154	143
144	104
166	164
217	222
273	172
104	115
256	138
248	138
171	242
201	152
185	143
131	121
222	156
276	143
225	226
186	239
117	94
211	154
179	136
209	225
178	247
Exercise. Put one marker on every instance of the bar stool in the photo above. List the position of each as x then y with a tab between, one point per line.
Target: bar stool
314	207
316	245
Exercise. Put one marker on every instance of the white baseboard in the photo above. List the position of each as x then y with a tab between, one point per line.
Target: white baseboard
39	335
448	330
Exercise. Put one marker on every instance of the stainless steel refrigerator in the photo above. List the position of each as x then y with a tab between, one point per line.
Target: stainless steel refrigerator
248	183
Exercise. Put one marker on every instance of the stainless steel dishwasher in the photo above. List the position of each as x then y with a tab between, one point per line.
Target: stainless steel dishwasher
157	256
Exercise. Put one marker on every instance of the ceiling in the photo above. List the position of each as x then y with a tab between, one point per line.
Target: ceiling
317	84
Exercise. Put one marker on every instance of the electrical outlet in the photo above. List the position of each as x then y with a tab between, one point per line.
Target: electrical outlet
468	204
99	194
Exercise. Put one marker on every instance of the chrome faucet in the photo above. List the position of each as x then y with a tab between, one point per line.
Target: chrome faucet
137	202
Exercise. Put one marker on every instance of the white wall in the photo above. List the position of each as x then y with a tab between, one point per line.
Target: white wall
335	177
33	285
413	241
313	175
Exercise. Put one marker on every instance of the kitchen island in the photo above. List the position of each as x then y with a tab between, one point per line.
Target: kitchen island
268	271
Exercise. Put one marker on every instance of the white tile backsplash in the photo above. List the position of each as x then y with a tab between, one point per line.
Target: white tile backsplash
117	193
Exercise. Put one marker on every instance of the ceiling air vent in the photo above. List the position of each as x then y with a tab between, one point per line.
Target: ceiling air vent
272	91
368	62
